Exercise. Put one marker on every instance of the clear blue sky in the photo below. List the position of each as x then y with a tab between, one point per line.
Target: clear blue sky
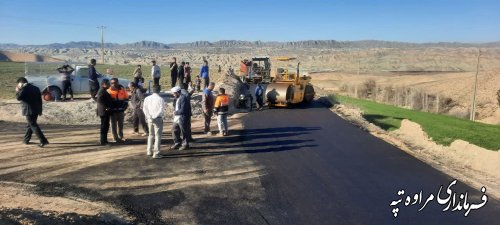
49	21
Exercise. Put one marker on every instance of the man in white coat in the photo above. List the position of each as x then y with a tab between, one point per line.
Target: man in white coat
154	112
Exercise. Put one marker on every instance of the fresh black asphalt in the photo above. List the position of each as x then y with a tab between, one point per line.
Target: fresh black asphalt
326	171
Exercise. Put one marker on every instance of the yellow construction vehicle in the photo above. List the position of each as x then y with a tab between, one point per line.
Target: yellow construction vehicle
289	88
257	70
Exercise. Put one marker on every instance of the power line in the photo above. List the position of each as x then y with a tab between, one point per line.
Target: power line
473	110
101	28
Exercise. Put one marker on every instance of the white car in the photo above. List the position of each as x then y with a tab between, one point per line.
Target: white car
51	84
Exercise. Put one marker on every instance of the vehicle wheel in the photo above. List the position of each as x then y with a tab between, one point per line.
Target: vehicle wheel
308	94
52	93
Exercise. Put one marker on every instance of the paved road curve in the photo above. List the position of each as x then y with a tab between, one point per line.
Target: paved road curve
323	170
287	166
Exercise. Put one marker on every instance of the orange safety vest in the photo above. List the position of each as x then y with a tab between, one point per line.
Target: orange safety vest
118	94
222	103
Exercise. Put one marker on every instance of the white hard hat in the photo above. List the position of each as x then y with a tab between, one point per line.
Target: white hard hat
175	89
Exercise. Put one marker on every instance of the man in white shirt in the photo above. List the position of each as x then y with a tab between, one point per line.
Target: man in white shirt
155	73
154	112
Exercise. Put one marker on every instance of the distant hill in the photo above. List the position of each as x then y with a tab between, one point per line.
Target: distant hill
328	44
6	56
89	44
145	44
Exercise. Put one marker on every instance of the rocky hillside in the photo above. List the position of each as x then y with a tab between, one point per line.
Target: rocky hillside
90	44
6	56
307	44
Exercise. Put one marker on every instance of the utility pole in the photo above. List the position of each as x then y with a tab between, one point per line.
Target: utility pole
101	28
473	110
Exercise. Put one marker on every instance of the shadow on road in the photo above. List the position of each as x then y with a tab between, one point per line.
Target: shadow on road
249	141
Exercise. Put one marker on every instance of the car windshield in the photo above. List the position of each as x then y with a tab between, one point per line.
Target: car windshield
83	72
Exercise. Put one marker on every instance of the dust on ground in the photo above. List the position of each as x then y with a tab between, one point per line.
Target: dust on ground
120	182
74	180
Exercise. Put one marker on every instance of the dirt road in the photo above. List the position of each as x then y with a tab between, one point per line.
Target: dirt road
281	166
213	181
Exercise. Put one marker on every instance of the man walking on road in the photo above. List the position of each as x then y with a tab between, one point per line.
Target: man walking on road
153	111
93	82
173	72
103	109
207	104
31	101
155	73
137	104
182	114
221	109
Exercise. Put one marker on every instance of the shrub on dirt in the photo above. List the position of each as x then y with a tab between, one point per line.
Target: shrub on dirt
367	89
498	97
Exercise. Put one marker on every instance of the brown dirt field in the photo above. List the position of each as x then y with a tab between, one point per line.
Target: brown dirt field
73	174
25	57
456	85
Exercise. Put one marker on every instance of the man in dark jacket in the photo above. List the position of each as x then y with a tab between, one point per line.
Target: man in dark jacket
208	101
181	75
173	72
259	95
31	100
93	82
137	103
182	113
104	102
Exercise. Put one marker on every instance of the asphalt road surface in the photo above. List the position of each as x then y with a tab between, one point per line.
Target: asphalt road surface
323	170
277	166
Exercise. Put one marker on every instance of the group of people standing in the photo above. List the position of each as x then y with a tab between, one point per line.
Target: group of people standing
113	99
180	75
149	111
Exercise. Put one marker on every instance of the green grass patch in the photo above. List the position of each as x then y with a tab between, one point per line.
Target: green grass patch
10	71
442	128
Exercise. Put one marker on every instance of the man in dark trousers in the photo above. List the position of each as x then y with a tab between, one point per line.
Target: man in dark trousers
31	100
66	71
173	71
259	95
182	112
93	82
104	103
208	101
181	74
137	104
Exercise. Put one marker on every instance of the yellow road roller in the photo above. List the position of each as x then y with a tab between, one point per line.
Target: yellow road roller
288	87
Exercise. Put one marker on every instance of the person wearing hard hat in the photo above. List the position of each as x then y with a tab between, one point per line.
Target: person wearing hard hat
182	114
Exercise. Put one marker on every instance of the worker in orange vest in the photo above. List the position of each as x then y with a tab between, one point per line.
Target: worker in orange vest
119	104
221	109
